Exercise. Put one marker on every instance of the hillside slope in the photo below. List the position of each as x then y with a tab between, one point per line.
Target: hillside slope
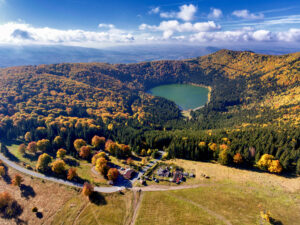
251	93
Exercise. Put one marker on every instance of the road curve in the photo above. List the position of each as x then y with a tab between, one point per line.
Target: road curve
111	189
56	180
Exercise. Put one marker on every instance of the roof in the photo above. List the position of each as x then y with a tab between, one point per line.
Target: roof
128	173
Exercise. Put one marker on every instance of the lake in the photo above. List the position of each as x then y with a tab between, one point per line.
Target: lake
186	96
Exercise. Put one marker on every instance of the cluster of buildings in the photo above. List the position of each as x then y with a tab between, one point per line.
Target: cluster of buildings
176	176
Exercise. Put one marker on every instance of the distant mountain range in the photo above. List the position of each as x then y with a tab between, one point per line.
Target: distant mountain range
36	55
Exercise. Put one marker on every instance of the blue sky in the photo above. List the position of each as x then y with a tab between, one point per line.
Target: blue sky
97	23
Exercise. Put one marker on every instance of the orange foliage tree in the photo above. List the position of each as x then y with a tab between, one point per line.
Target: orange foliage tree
17	180
98	141
85	152
112	174
87	189
71	173
237	158
32	147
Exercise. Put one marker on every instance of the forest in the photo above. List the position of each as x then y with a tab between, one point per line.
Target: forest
251	120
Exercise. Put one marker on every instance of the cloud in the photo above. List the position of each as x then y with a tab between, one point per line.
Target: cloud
215	13
169	31
104	25
22	33
247	35
185	13
245	14
171	26
154	10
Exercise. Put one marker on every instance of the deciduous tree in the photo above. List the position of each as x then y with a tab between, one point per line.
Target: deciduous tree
85	152
44	145
72	173
237	158
58	166
43	162
28	137
112	174
87	189
17	180
22	149
61	153
2	171
78	143
97	141
101	166
97	156
32	147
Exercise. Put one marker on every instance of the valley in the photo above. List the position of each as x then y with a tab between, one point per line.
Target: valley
121	128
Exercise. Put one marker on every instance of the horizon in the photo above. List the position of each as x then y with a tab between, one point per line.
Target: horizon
104	25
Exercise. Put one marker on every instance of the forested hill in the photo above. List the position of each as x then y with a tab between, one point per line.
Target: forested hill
249	91
237	78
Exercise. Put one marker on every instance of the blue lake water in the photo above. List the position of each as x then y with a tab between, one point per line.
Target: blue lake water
186	96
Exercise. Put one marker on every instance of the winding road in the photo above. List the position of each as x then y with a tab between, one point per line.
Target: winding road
56	180
110	189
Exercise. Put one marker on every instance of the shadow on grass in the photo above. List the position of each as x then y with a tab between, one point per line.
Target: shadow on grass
97	199
27	191
39	215
7	179
31	157
71	162
12	211
275	222
19	221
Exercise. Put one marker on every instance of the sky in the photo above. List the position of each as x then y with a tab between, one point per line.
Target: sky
99	24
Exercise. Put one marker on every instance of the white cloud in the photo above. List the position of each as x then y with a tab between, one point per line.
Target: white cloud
185	13
154	10
215	13
171	26
246	35
293	35
105	25
263	35
170	31
22	33
245	14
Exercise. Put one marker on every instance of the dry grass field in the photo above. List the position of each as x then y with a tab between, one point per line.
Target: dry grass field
48	197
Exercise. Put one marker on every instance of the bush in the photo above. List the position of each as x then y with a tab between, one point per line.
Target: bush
34	209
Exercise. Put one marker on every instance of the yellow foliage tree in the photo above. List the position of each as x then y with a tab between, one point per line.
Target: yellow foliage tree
61	153
97	156
267	162
275	167
58	166
213	146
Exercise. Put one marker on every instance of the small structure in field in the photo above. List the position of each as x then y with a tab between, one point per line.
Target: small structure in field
142	182
128	174
177	176
110	182
163	172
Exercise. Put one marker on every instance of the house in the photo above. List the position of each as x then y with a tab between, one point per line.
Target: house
192	175
163	172
177	176
128	174
142	182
